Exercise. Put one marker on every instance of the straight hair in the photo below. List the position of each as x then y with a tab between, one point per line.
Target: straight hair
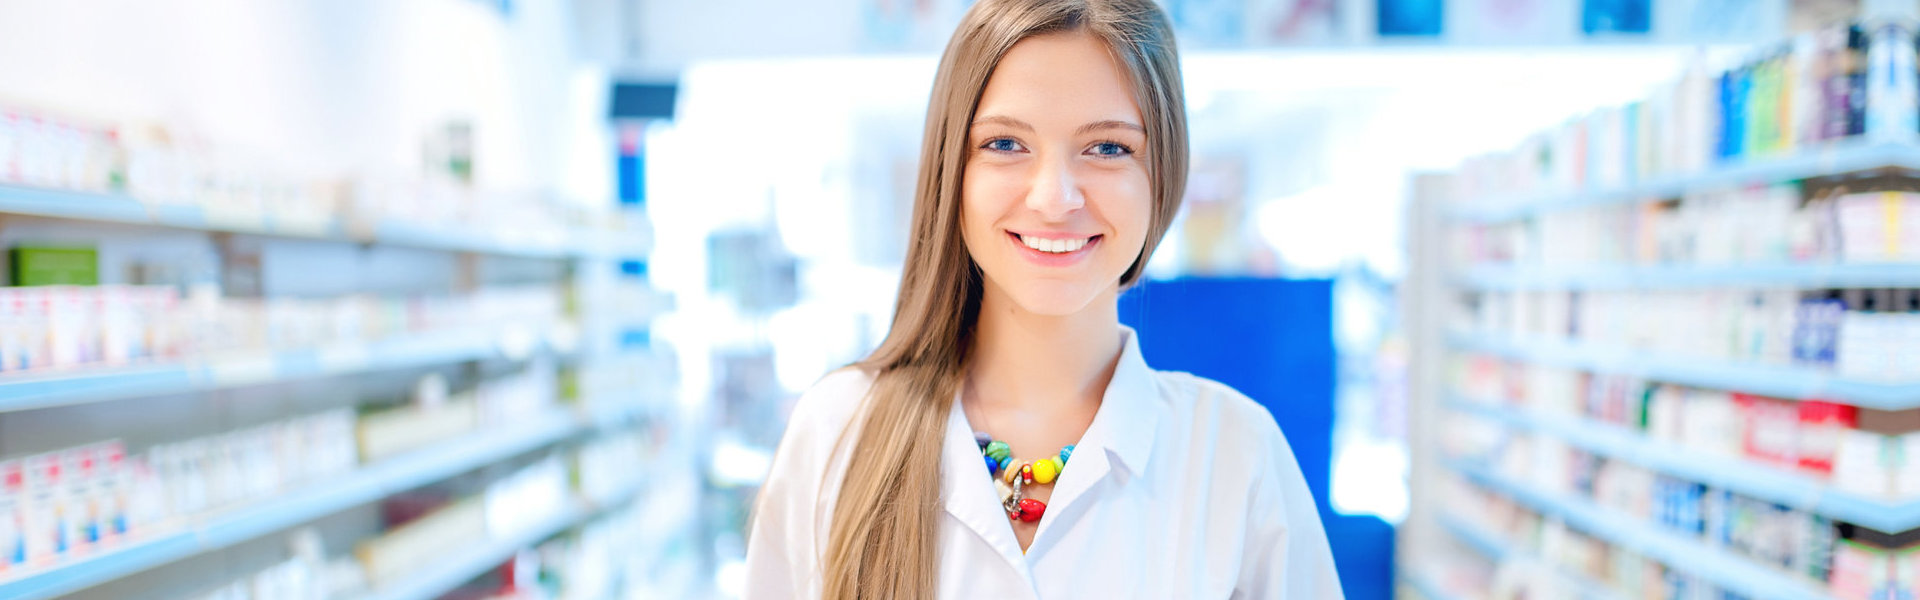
885	520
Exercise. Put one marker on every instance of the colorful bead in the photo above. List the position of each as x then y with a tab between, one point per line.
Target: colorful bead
998	450
1030	510
1010	472
992	465
982	439
1065	453
1026	473
1045	469
1006	463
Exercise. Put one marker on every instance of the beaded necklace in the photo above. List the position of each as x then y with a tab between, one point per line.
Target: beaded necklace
1010	477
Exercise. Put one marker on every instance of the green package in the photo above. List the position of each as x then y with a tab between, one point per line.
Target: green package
55	266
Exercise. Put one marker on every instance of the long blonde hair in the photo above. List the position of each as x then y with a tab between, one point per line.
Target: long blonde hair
885	519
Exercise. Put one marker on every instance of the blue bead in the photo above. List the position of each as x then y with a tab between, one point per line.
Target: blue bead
991	464
982	439
1065	453
1005	462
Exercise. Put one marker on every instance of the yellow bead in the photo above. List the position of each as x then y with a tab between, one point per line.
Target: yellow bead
1045	469
1010	473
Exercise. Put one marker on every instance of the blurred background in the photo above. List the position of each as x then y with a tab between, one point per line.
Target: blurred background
511	298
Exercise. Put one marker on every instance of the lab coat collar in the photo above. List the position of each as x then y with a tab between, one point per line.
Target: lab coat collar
1130	410
1123	427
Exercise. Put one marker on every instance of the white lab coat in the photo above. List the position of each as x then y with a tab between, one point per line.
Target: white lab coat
1180	488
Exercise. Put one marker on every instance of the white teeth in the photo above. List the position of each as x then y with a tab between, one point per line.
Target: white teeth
1054	246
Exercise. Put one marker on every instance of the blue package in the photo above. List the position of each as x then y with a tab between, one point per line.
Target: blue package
1616	16
1409	17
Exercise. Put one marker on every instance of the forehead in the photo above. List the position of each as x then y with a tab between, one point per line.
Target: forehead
1062	79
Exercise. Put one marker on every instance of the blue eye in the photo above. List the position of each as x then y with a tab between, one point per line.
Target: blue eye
1002	145
1110	149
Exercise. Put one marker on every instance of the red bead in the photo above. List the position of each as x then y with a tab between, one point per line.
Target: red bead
1026	473
1031	509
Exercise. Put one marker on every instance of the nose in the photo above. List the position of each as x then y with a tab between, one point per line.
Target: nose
1054	194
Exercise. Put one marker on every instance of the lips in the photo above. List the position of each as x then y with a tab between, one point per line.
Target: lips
1054	245
1054	249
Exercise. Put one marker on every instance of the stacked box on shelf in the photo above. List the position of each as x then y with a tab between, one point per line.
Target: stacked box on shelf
78	517
1846	83
171	176
1802	155
1856	451
57	327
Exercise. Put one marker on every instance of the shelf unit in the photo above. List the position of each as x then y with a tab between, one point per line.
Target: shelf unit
1661	277
93	384
308	502
1498	550
582	251
1428	587
1722	568
467	563
1837	159
1435	332
1790	382
116	208
1759	481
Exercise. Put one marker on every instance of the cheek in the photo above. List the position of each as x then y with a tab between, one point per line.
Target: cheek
985	195
1126	203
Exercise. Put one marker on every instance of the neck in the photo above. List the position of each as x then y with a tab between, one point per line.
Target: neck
1043	363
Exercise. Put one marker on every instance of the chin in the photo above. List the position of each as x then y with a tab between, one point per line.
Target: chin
1055	299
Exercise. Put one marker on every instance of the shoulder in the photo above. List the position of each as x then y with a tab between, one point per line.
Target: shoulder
814	444
826	409
1213	404
1228	422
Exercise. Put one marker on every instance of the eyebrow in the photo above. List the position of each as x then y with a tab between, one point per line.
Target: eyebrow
1084	129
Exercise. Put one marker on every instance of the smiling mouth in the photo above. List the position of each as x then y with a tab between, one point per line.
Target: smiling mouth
1053	245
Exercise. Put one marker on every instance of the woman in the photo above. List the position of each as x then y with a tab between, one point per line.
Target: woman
1006	440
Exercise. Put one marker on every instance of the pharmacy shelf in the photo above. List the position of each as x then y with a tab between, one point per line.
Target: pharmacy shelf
1752	276
1498	550
115	208
1679	552
301	505
1479	539
1837	159
1427	587
83	385
1798	383
461	566
1775	485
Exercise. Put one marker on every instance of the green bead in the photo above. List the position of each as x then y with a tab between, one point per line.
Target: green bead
998	450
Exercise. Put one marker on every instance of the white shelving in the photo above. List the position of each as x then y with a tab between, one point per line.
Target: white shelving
1661	277
111	208
1799	383
463	564
1840	158
1497	550
1782	487
1427	587
1436	285
366	484
98	384
1694	557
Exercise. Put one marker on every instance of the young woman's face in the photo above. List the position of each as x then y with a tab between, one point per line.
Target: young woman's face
1055	200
